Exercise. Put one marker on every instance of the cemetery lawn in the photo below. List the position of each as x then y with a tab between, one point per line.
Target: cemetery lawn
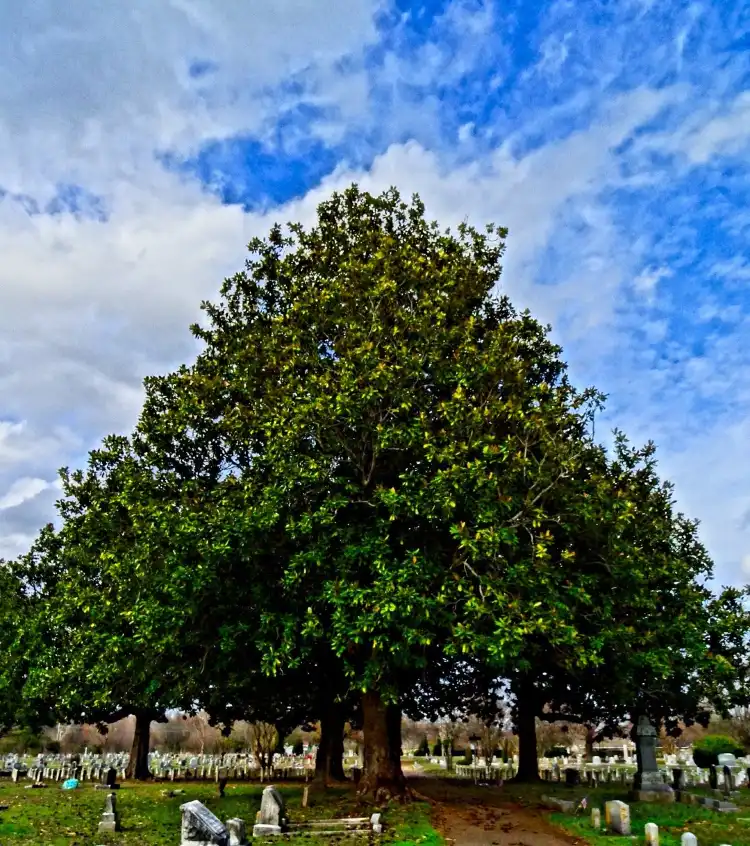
710	827
55	817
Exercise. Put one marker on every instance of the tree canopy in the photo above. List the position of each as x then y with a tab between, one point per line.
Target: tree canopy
376	472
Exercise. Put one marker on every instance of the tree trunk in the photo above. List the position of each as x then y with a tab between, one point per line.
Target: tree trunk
590	735
528	763
329	760
335	749
138	764
382	776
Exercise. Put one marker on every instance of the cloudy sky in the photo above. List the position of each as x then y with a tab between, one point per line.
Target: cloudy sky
143	143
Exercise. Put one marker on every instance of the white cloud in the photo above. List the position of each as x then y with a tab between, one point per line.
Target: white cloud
22	490
92	91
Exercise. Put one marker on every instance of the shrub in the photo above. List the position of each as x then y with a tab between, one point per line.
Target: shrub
706	751
556	752
299	747
423	750
468	755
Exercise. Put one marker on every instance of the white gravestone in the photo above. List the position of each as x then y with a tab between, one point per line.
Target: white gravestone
652	834
596	819
200	827
688	839
109	820
272	817
237	834
619	817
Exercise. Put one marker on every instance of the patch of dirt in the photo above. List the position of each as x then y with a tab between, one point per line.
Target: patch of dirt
476	816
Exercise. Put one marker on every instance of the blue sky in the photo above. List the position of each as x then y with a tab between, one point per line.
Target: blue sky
142	145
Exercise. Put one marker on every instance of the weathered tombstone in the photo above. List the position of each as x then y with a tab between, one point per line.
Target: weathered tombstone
375	824
713	778
688	839
652	834
648	785
14	774
200	827
618	817
237	833
110	820
728	780
596	819
272	818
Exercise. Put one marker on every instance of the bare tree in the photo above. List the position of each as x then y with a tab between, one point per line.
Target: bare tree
264	739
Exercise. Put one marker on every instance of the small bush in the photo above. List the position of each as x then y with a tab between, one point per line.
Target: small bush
556	752
468	756
423	750
706	751
299	747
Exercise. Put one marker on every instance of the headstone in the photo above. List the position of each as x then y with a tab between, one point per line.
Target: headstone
652	834
272	818
618	814
200	827
110	821
572	777
648	785
713	777
14	774
596	819
375	824
237	834
620	818
688	839
727	759
728	779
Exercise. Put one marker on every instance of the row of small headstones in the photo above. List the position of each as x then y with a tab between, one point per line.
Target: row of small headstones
208	771
37	774
680	777
618	822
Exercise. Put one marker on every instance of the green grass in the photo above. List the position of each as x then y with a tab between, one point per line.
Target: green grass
710	827
55	817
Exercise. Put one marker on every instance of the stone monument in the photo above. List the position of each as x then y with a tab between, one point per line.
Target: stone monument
273	817
200	827
110	820
648	785
237	836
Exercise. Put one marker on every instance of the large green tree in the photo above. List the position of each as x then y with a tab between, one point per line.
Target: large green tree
393	431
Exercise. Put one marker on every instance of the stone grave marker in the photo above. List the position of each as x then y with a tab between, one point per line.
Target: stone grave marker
652	834
237	832
596	819
108	780
110	820
618	814
272	818
648	785
688	839
200	827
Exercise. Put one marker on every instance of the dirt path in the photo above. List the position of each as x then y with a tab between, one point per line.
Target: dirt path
473	816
